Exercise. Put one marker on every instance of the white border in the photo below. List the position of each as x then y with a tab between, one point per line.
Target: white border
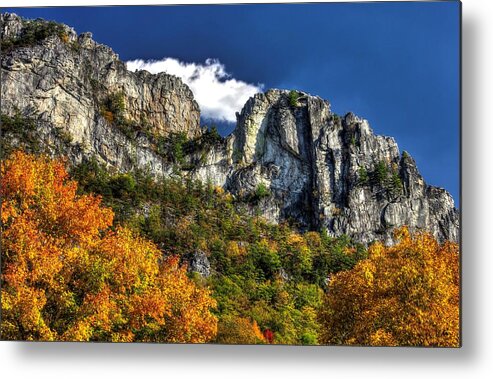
474	360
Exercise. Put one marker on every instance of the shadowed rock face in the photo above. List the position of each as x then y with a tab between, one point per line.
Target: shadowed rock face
319	170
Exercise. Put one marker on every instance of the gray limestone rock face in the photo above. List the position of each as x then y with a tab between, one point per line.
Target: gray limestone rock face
297	159
65	83
332	173
199	263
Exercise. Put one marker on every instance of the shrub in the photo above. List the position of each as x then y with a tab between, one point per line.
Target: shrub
255	196
64	135
174	147
363	177
293	98
265	259
262	191
75	46
20	128
387	179
178	145
113	107
239	330
122	185
33	32
211	136
380	173
113	110
395	185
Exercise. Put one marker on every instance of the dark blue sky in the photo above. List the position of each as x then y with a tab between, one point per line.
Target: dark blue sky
395	64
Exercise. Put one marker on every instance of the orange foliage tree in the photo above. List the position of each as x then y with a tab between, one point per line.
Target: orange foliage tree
403	295
239	330
68	274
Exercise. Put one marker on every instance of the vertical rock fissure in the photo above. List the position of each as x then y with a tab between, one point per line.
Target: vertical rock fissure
305	136
345	175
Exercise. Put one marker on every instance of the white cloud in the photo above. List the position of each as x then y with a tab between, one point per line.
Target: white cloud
219	95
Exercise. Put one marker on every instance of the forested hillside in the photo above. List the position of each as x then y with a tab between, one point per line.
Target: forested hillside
173	261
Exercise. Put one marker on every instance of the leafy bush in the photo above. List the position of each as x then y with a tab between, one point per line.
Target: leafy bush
122	185
261	191
64	135
293	98
239	330
18	128
211	137
395	185
363	177
113	111
387	180
33	32
173	147
178	145
113	108
255	196
380	174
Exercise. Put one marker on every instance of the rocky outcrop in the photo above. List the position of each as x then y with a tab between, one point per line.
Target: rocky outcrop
289	156
199	263
329	173
79	87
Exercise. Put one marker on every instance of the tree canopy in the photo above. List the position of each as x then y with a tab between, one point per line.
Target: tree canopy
69	274
83	267
405	295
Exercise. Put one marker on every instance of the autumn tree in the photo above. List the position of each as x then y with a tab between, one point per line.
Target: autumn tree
260	271
239	330
406	295
68	274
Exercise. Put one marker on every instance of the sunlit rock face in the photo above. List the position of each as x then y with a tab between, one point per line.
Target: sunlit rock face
65	82
289	152
332	173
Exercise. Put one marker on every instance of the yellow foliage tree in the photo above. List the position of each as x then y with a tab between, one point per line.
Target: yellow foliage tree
239	330
403	295
68	275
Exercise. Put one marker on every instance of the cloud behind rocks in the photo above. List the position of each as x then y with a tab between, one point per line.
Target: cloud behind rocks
218	94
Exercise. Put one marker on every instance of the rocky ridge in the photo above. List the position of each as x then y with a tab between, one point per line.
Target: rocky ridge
332	173
73	85
289	155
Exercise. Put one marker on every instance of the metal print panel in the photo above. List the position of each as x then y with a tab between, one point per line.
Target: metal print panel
231	174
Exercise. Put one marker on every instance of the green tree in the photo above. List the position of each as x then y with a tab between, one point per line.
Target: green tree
293	98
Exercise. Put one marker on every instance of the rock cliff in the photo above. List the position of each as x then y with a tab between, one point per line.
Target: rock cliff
328	172
80	89
289	156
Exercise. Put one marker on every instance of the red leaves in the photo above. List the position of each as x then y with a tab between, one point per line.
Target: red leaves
269	336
